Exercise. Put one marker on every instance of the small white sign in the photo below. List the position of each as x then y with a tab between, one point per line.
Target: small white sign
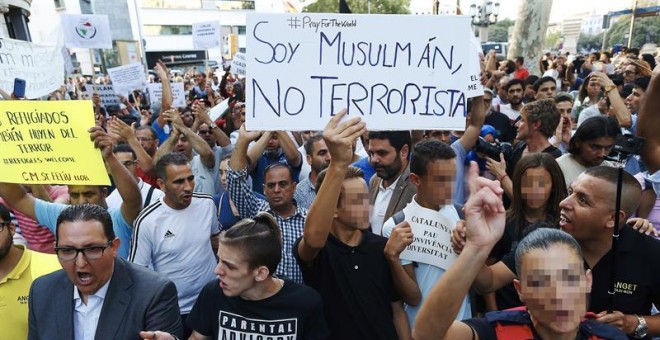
86	31
431	238
127	78
238	64
106	92
178	94
206	35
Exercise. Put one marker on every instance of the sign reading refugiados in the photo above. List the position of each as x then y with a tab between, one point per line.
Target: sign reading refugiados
395	71
46	142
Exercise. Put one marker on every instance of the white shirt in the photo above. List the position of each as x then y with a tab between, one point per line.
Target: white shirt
509	112
86	317
383	198
114	200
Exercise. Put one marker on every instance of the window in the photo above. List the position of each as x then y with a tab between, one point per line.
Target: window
155	30
241	30
59	4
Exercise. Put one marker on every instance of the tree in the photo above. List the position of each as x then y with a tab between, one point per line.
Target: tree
361	6
552	40
499	32
646	30
589	42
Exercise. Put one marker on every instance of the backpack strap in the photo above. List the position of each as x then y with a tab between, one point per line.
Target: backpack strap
149	194
598	330
512	323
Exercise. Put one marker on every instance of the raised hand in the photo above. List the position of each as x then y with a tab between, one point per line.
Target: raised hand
339	137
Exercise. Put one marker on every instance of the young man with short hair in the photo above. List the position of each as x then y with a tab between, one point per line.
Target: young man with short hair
545	88
514	89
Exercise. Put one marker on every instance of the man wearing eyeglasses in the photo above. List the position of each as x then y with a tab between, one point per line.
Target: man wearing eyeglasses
126	156
19	266
95	295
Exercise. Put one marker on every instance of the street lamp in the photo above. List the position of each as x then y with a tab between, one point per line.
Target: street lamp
484	15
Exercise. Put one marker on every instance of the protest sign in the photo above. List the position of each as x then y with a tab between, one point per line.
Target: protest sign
238	64
127	78
219	110
46	142
106	92
40	66
178	94
206	34
395	71
474	87
86	31
432	237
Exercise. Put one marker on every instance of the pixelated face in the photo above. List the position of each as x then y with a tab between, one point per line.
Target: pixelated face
81	194
223	172
353	209
524	128
565	108
86	274
233	270
515	94
593	152
588	209
435	187
178	186
278	188
536	187
593	88
384	158
148	142
320	158
547	90
635	99
554	287
129	162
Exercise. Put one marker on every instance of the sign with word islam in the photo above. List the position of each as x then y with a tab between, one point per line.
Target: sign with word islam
397	72
206	35
105	92
42	67
45	142
431	237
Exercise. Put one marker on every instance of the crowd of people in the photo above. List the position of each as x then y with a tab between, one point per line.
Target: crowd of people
211	231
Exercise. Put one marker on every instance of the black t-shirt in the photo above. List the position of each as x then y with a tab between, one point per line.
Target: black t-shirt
637	274
356	286
502	124
295	312
517	152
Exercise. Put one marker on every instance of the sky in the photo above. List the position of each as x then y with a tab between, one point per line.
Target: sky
560	8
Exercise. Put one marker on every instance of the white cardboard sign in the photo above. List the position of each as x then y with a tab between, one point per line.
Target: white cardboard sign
127	78
432	238
397	72
178	94
206	35
238	64
40	66
106	92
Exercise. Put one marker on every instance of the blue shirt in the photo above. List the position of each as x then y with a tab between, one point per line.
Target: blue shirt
259	171
366	167
458	196
162	133
47	214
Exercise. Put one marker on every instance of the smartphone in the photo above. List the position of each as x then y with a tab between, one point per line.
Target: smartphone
19	88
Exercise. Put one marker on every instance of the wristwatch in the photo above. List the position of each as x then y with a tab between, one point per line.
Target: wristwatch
213	125
609	88
642	328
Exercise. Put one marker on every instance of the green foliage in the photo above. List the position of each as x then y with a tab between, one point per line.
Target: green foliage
552	40
361	6
589	42
499	32
646	30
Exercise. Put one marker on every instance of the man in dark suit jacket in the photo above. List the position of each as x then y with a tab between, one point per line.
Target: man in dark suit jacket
388	153
95	285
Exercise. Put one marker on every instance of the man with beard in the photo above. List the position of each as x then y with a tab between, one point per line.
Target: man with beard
19	266
390	190
514	90
183	140
318	158
272	147
177	235
592	141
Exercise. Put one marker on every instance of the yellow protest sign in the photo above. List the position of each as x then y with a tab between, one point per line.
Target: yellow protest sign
46	142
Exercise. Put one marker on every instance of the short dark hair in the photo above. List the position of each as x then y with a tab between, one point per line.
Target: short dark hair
154	133
631	191
124	148
5	215
592	128
428	151
541	81
544	238
564	97
510	67
545	111
309	144
259	240
277	165
86	212
172	158
643	82
531	80
396	138
520	59
514	81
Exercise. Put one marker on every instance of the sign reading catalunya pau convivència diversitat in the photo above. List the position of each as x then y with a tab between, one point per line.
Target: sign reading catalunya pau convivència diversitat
395	71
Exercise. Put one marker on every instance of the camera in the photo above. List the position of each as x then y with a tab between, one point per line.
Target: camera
493	150
627	145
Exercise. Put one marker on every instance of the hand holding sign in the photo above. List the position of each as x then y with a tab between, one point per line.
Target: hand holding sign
101	140
484	211
339	138
249	135
401	237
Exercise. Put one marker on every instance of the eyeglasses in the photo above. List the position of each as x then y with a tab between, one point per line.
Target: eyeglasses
204	132
91	252
4	224
144	139
128	163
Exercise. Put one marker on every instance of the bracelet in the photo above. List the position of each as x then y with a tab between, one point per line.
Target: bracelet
501	178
